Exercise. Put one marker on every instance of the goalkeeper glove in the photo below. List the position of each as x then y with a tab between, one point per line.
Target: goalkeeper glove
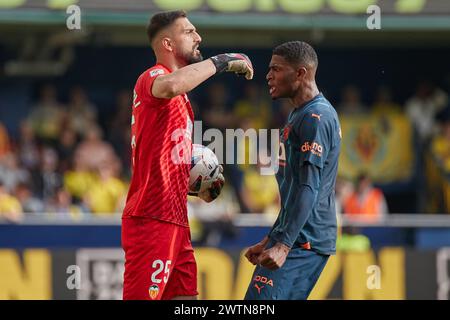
238	63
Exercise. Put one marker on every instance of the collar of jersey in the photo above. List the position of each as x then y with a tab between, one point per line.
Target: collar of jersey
160	64
305	105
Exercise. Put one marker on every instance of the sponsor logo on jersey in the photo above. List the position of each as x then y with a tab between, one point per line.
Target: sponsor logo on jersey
317	116
263	280
312	147
258	288
156	72
153	291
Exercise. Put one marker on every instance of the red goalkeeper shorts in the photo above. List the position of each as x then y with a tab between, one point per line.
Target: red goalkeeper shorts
159	260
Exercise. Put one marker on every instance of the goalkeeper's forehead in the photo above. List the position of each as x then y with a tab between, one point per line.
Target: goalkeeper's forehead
182	24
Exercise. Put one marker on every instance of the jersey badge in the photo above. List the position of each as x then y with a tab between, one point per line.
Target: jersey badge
153	291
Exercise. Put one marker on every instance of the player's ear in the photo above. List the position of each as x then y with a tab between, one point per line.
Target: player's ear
301	72
167	43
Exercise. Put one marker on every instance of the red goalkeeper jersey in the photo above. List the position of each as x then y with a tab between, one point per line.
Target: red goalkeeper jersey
161	132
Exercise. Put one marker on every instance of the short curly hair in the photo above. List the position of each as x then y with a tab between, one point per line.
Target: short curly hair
297	52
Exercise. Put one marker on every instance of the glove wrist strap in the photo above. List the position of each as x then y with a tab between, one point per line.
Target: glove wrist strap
220	62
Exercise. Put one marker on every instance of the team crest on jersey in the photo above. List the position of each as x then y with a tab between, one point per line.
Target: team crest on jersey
286	131
153	291
156	72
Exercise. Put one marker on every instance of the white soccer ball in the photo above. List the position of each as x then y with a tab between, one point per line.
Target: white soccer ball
204	168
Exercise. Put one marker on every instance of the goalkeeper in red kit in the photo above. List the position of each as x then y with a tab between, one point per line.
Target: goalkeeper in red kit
159	258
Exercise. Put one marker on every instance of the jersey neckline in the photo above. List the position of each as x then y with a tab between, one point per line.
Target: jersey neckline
162	65
305	105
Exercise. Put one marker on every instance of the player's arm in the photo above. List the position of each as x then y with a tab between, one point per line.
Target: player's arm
299	205
297	211
182	80
189	77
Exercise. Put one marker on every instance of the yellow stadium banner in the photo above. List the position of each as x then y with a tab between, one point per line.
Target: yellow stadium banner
382	146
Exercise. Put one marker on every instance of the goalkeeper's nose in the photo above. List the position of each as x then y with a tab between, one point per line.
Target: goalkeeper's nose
197	37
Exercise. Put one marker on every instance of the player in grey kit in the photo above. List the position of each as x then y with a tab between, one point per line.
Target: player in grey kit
291	258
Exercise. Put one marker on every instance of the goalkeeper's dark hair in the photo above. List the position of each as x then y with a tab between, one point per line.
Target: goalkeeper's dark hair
162	20
297	53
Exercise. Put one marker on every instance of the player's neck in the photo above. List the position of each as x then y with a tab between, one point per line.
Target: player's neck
170	62
308	92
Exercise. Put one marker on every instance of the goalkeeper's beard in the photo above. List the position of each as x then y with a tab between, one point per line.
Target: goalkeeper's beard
192	57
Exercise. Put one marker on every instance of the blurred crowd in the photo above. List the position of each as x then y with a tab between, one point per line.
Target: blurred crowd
70	161
62	162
